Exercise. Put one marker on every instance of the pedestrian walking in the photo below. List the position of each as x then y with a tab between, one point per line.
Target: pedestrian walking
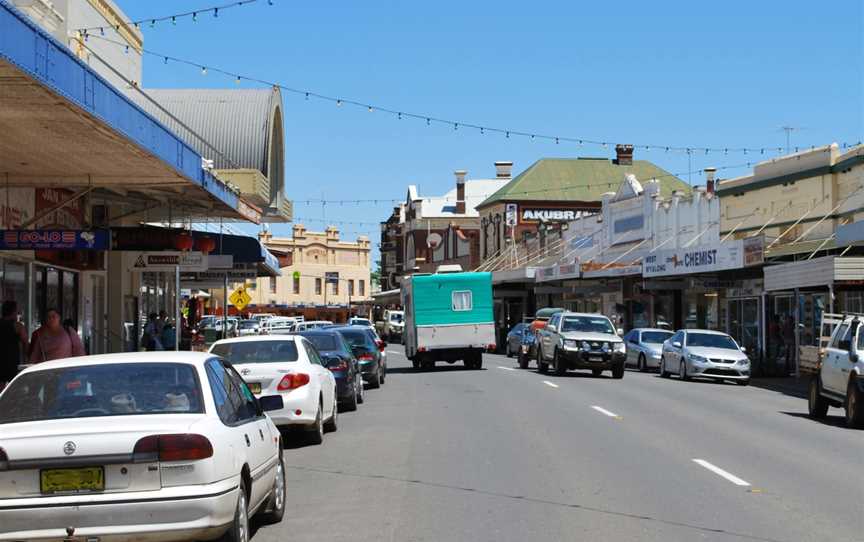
13	341
53	340
169	336
151	339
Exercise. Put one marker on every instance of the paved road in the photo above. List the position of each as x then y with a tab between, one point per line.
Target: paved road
504	454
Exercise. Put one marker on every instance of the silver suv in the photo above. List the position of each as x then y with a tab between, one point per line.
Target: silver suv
573	340
840	380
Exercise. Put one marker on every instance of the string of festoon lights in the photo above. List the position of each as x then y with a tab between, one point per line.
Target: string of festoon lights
192	15
430	120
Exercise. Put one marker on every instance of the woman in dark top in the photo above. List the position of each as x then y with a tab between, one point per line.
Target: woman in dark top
13	342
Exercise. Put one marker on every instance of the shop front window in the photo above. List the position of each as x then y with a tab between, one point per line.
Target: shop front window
743	324
70	297
13	282
664	311
701	310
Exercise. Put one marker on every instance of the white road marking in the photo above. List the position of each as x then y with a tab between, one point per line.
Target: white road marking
395	353
550	384
602	410
506	368
720	472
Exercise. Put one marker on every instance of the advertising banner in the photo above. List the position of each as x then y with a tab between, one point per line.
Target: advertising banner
54	240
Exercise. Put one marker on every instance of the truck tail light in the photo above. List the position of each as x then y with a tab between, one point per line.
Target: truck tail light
176	447
490	347
292	381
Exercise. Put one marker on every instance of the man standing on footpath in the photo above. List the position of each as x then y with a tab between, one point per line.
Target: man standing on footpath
13	340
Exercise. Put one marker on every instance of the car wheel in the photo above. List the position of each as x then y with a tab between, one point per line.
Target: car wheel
542	366
239	530
641	365
817	405
332	424
560	367
375	380
596	372
509	350
276	507
618	371
358	384
383	374
663	372
415	363
854	406
682	371
523	360
316	434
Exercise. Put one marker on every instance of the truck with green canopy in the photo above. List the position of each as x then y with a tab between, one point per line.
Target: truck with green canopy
448	317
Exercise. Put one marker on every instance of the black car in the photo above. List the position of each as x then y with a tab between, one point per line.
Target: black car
339	358
514	338
369	351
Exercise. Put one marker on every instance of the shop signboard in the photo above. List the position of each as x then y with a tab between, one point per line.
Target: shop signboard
754	250
534	215
511	214
705	258
167	261
613	271
54	240
850	233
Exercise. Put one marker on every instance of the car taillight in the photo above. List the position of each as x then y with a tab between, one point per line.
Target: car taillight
293	381
366	356
380	344
341	366
177	447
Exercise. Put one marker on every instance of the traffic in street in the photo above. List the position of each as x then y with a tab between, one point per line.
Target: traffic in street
509	454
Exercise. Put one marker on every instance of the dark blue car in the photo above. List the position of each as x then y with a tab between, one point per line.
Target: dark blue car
339	358
514	338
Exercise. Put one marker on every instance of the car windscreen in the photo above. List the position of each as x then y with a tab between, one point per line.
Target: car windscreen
257	351
248	324
518	328
358	338
711	340
108	389
360	322
323	342
396	318
655	337
590	324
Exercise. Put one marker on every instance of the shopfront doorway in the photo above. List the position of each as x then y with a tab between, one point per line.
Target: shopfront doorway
743	325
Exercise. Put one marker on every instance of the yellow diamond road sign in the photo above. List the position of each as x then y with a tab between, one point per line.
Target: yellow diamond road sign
239	298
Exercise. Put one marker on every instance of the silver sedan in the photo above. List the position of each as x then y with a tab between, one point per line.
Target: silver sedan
644	347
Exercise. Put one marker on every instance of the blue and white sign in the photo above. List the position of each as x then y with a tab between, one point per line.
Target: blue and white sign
696	259
54	240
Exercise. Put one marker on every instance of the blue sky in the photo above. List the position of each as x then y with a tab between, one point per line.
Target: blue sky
722	74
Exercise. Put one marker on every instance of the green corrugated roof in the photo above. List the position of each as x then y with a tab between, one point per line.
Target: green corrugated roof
579	179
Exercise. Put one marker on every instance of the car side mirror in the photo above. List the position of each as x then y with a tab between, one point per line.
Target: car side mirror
853	357
620	331
676	344
743	349
271	402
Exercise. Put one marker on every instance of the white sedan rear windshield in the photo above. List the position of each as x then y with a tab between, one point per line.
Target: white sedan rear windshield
257	351
110	389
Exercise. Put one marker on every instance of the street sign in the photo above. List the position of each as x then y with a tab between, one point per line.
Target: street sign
239	298
167	261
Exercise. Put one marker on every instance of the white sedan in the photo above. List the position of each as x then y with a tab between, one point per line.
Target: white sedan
704	353
143	446
288	366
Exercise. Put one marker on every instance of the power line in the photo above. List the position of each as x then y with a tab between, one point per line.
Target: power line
430	119
214	10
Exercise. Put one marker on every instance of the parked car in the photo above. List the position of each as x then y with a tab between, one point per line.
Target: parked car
528	350
840	380
370	353
706	354
339	358
514	338
289	366
278	325
179	434
645	346
365	322
573	340
309	325
392	326
249	327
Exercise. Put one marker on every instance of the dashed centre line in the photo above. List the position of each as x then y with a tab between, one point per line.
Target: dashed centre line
720	472
506	368
550	384
395	353
605	412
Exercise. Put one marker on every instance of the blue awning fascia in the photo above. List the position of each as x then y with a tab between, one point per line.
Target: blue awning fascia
44	59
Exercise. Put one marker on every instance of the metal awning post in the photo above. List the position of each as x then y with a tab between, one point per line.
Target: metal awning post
177	307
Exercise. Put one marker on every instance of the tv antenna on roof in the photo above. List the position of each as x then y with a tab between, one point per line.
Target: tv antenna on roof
789	130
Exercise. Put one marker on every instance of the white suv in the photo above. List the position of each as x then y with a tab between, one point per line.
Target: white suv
840	381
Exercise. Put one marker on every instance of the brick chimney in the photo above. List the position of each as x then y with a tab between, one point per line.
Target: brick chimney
460	191
503	170
709	179
624	155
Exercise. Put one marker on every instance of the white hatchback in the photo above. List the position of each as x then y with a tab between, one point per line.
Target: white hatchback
143	446
291	367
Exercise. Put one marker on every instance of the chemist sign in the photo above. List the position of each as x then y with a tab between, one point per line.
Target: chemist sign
695	259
